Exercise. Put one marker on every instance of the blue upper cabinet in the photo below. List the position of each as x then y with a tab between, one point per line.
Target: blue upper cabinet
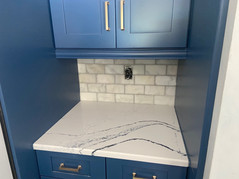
152	23
82	23
120	28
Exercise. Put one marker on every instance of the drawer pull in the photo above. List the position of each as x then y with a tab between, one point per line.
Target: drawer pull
62	167
107	16
122	14
134	176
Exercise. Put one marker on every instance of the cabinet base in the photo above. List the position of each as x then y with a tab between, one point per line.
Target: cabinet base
122	53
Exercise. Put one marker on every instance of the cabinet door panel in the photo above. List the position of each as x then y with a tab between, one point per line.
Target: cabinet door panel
81	23
153	23
124	169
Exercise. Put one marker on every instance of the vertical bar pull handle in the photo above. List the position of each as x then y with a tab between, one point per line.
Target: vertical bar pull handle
122	14
134	176
107	16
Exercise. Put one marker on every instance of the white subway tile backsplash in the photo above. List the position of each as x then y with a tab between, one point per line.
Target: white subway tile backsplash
172	70
83	87
115	88
114	69
155	70
87	78
105	79
96	88
120	79
81	68
93	68
104	61
134	89
170	90
124	98
154	90
104	97
144	80
88	96
124	62
138	69
154	81
166	80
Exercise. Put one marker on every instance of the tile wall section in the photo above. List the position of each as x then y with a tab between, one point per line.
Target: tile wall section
153	82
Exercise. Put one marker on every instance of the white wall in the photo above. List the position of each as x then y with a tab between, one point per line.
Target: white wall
5	170
223	150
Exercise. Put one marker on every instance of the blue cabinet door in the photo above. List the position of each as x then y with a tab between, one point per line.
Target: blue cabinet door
152	23
82	23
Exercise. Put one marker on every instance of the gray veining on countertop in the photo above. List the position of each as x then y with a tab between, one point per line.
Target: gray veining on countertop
148	133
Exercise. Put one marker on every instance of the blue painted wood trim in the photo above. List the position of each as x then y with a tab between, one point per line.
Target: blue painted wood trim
122	53
197	79
38	89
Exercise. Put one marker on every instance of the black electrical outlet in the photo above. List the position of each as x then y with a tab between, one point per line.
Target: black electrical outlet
128	72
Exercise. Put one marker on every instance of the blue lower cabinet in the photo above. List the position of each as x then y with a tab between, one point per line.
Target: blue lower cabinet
124	169
42	177
70	166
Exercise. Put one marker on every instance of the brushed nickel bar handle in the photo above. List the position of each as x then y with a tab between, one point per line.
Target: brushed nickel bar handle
62	167
122	14
134	176
107	16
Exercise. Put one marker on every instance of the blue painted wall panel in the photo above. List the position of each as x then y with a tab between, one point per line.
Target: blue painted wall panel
197	79
37	88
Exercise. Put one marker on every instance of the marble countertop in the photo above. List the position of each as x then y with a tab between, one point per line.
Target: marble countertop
147	133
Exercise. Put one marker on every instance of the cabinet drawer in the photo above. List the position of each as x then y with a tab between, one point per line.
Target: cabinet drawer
48	178
124	169
70	166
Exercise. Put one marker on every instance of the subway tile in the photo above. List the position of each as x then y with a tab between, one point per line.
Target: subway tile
96	88
134	89
94	68
138	69
83	87
170	91
144	80
105	79
87	78
115	88
154	90
88	96
104	61
155	69
120	79
166	80
114	69
124	62
143	99
172	69
124	98
104	97
81	68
